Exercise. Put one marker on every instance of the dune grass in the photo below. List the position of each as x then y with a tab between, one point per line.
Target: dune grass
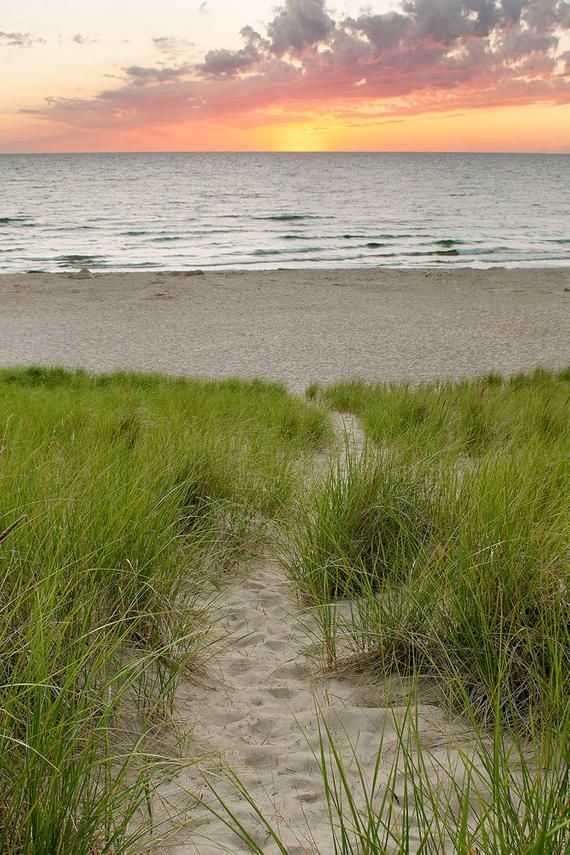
440	552
472	417
449	536
121	497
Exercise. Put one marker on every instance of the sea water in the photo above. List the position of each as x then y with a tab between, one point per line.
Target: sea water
180	211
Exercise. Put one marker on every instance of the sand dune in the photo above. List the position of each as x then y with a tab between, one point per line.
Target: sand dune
254	709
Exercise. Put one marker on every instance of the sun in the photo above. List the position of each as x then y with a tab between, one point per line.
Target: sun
300	137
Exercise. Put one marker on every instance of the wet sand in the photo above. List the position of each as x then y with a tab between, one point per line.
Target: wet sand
291	325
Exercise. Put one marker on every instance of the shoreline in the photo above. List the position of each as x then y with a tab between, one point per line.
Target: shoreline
292	325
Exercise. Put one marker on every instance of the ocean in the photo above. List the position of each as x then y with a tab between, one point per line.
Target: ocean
263	211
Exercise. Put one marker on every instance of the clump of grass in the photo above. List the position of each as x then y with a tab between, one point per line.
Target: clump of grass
471	417
121	497
367	523
451	539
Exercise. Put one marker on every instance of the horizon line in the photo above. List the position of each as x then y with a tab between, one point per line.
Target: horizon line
284	151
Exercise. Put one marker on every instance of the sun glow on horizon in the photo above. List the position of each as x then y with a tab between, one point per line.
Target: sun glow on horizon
299	137
300	77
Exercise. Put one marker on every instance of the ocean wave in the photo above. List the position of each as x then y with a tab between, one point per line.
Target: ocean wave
427	253
278	218
6	221
371	241
67	228
77	260
268	252
483	250
322	211
137	265
291	253
381	237
275	251
298	237
206	232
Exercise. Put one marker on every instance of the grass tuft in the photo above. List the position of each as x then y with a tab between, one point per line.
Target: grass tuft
443	548
121	497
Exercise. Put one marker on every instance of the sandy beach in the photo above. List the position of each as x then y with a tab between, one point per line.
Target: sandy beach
291	325
284	442
253	705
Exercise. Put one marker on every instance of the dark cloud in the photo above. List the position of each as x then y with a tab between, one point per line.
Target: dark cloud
222	62
299	24
423	32
512	9
165	43
446	21
226	63
142	75
384	32
80	39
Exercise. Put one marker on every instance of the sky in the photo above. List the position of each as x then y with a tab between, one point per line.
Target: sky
287	75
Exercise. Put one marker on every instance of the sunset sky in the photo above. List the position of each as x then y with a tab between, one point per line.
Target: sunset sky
180	75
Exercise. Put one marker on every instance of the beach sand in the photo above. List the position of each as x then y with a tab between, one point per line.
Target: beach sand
291	325
256	708
253	705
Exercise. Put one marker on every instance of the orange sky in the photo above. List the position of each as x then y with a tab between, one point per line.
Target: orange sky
426	75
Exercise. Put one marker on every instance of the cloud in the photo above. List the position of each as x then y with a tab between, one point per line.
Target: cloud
80	39
426	56
171	46
383	32
299	24
226	63
143	75
18	40
564	59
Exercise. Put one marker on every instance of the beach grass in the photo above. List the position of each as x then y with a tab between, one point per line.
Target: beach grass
123	498
446	540
437	553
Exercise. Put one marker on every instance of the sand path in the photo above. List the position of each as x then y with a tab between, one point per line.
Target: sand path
256	713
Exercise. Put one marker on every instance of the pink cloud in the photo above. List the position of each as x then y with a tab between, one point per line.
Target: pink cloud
431	55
